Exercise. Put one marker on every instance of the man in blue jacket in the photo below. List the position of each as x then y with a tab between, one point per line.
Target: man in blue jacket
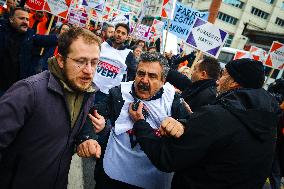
41	116
17	44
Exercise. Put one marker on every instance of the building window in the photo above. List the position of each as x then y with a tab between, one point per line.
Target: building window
227	18
229	40
259	13
269	1
279	22
235	3
282	6
157	9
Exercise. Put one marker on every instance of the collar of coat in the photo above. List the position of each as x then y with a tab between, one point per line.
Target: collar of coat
198	86
121	47
57	72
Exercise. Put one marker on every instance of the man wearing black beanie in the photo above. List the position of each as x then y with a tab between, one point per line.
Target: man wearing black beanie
229	144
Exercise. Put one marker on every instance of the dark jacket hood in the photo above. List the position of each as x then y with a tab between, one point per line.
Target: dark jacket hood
256	109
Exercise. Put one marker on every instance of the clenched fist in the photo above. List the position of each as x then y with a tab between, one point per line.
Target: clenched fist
89	148
171	127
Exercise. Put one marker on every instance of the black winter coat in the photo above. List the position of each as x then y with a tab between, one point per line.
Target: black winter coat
195	94
227	145
17	60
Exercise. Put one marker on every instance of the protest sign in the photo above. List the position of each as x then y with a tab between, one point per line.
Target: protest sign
258	53
35	4
242	54
57	7
141	32
121	19
171	43
275	57
206	37
96	4
167	8
78	17
157	27
183	20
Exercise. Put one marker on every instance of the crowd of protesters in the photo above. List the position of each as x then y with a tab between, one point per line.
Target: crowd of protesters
152	120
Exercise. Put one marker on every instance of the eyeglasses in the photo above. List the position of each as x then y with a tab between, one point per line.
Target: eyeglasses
83	62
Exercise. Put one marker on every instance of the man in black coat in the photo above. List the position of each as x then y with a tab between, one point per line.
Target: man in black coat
201	89
17	44
226	145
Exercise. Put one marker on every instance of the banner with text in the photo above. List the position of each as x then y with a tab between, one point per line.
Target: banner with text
35	4
142	32
206	37
183	20
157	27
96	4
78	17
275	57
57	7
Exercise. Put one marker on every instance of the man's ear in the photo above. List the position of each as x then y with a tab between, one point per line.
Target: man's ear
204	75
234	85
60	60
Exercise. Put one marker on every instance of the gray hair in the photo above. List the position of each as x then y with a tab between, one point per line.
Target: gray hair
156	57
106	26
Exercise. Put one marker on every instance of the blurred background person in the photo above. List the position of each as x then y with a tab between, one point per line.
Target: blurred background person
107	31
132	61
5	10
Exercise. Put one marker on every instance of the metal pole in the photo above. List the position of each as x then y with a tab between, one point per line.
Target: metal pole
168	26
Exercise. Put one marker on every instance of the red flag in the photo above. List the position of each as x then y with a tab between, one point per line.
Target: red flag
35	4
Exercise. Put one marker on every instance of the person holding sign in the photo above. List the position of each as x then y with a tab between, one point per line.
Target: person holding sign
17	45
226	145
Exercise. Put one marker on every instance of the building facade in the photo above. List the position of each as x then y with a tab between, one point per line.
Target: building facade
235	16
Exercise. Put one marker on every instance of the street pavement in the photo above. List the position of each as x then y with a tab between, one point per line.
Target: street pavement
81	174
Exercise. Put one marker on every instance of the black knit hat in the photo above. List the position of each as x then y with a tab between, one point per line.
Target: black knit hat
247	72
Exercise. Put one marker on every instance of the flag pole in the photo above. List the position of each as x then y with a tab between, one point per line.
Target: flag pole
166	38
48	30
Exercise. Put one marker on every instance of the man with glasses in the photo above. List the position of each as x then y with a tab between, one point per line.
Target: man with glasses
42	115
18	45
